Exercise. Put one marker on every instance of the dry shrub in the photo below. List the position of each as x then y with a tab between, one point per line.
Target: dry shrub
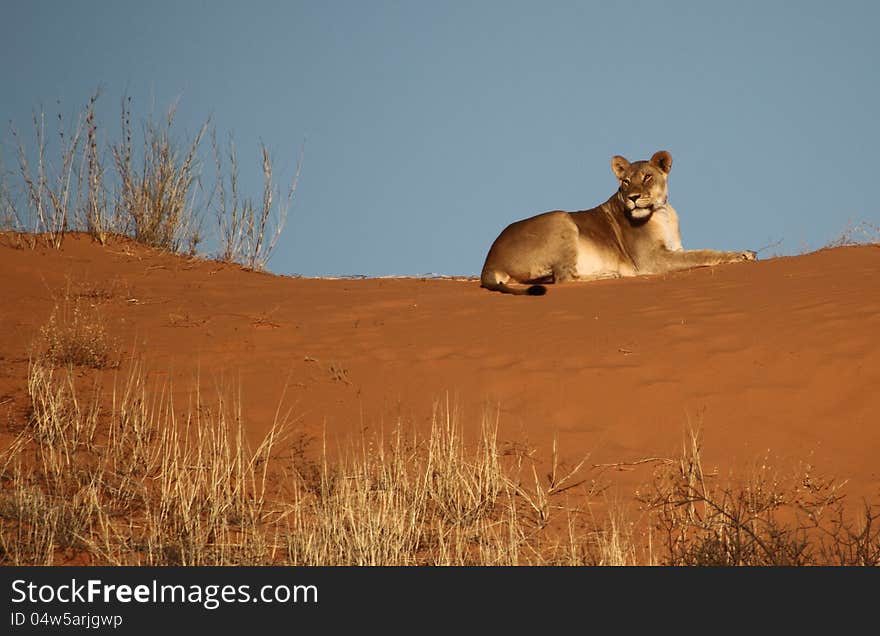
765	520
861	233
846	543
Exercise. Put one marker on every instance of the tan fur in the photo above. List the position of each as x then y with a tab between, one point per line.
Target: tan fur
634	232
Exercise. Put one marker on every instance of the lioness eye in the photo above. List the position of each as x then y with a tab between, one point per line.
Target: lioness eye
625	182
648	177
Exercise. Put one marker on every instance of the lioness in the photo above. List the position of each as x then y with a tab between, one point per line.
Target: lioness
634	232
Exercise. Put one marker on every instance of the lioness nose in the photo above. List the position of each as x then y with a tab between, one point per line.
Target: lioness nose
635	197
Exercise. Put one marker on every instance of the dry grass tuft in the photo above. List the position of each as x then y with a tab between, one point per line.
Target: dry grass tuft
248	231
95	212
157	197
75	334
49	183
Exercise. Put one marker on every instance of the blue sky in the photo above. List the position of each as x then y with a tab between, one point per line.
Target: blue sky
431	125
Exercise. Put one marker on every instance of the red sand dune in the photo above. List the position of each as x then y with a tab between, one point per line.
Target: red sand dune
777	361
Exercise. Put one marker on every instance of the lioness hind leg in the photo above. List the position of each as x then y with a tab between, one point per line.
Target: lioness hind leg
565	268
565	273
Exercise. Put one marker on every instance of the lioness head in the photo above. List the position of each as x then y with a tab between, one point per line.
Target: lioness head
642	183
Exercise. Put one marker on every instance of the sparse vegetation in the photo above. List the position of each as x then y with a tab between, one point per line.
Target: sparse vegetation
861	233
153	192
130	490
140	484
136	482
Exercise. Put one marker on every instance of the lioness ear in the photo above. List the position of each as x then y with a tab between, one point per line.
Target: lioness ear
619	165
662	160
